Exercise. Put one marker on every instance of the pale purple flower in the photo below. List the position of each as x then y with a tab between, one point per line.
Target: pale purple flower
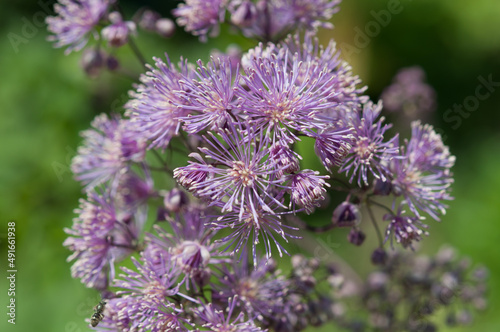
107	150
118	32
287	160
239	174
229	319
423	177
153	281
348	96
209	97
369	153
252	227
282	99
307	189
201	17
74	22
260	291
190	244
115	315
152	109
404	229
271	20
100	236
332	144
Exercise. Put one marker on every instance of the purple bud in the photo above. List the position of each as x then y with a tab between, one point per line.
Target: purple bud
379	256
175	200
147	19
245	15
382	188
165	27
346	215
112	63
356	237
92	61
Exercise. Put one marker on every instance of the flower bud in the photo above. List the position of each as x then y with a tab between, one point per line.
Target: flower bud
379	256
356	237
92	61
245	15
175	200
346	215
165	27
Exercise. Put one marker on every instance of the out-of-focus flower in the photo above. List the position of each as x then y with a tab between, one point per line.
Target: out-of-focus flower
201	17
260	291
74	22
225	320
118	32
346	215
101	235
107	149
409	94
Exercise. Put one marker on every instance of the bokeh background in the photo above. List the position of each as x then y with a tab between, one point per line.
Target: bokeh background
46	100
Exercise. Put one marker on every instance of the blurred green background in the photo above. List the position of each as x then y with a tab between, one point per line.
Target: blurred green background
45	100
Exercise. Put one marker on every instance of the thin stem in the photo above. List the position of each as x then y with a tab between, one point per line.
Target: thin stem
137	52
380	205
375	225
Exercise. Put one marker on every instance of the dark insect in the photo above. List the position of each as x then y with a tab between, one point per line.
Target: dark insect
97	316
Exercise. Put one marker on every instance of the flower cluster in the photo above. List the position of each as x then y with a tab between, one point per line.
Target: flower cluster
220	152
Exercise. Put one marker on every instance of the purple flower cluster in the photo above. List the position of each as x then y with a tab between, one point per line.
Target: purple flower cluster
221	152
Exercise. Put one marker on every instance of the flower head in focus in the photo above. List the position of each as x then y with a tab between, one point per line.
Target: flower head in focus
424	177
369	153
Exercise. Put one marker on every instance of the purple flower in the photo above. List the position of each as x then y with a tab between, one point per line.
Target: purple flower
118	32
75	20
405	229
152	108
210	97
282	98
332	145
106	152
190	244
287	160
115	315
201	17
239	175
311	14
348	96
307	188
251	227
272	20
261	292
153	281
100	236
369	153
423	177
223	320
